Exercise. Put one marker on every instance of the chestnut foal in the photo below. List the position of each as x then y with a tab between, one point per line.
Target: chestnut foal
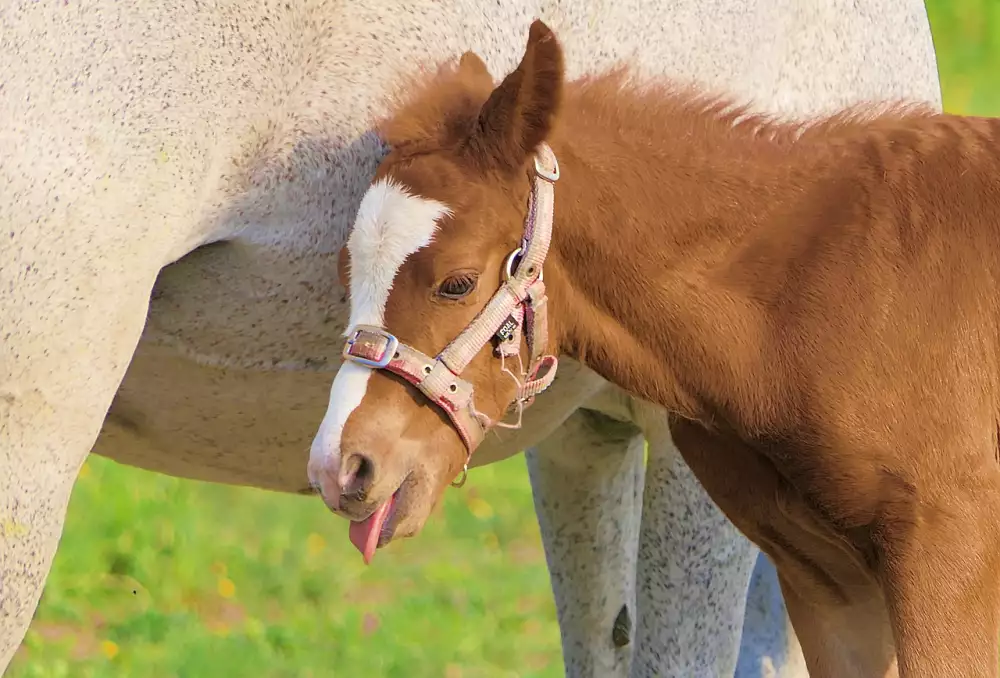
815	305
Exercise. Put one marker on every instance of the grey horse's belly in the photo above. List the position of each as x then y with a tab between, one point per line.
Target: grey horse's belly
232	375
252	427
233	371
244	427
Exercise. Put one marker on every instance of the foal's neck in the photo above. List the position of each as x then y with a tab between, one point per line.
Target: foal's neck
656	200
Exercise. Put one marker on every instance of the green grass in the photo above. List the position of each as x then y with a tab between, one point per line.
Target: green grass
158	577
967	41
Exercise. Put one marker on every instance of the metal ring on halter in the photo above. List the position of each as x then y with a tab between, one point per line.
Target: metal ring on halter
465	474
508	266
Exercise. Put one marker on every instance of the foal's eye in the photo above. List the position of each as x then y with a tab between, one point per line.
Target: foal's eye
457	286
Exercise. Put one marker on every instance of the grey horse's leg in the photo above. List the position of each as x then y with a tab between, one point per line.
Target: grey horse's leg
769	648
61	360
32	510
692	576
701	602
587	480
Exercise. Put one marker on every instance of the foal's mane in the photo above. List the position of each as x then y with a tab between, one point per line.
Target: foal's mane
434	107
437	107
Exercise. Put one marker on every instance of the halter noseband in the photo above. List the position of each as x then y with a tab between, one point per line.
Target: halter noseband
519	305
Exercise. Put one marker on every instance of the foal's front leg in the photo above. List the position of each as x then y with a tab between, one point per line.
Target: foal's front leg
940	549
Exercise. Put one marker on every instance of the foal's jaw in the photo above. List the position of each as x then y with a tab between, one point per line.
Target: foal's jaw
381	474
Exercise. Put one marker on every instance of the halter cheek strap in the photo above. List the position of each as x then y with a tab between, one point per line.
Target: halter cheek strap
518	307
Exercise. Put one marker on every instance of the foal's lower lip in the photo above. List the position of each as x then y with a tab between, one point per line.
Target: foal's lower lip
385	534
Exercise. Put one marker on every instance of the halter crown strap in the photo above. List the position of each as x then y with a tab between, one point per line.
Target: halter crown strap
519	304
523	283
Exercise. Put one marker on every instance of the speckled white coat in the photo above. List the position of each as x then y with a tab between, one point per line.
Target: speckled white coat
176	179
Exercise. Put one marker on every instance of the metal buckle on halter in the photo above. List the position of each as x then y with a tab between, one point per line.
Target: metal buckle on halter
356	340
552	176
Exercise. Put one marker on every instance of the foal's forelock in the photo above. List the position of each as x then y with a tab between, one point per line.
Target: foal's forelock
391	225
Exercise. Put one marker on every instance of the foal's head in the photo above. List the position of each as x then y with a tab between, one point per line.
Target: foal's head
448	326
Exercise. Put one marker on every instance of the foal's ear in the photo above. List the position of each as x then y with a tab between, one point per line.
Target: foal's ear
519	114
471	66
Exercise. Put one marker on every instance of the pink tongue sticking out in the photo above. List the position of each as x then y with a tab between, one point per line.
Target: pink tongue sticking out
365	534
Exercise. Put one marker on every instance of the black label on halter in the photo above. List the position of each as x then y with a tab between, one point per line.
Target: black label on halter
506	331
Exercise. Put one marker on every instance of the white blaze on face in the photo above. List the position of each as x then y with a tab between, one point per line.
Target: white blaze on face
391	225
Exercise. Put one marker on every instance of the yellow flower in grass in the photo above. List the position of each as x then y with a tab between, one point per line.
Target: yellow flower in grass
315	544
109	648
226	587
480	508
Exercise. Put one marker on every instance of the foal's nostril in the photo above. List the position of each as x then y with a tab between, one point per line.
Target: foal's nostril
356	476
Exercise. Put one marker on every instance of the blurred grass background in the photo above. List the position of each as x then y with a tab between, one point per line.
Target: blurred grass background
158	577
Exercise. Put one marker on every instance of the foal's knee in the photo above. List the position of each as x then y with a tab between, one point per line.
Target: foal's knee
938	559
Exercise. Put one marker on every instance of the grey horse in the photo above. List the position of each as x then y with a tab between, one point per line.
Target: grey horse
176	180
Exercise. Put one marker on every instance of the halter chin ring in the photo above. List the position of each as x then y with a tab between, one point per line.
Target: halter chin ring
458	482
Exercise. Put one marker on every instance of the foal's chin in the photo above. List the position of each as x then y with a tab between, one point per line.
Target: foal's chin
417	498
